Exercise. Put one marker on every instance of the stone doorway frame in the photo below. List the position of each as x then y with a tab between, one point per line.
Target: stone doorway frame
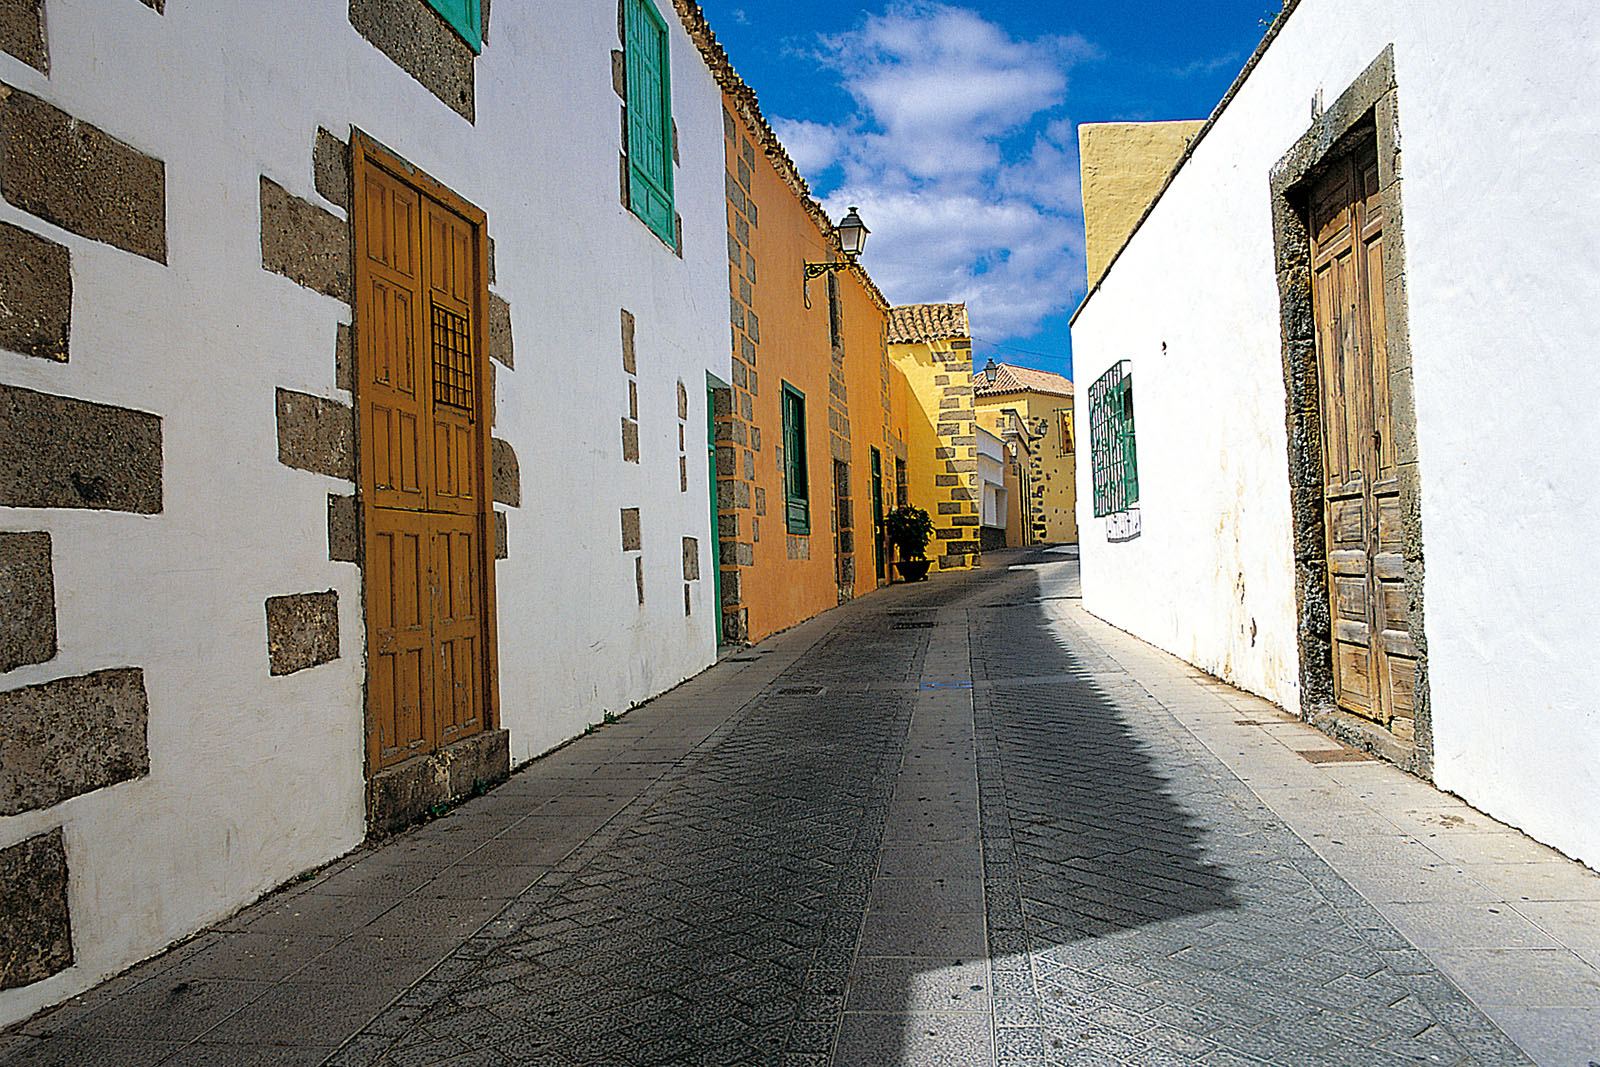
1368	108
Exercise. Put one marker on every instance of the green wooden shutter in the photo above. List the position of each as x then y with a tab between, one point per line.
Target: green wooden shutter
797	497
649	119
463	16
1130	456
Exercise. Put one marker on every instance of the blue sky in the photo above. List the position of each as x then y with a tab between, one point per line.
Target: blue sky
954	127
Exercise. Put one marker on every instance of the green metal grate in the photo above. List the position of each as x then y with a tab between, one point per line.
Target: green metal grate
1113	457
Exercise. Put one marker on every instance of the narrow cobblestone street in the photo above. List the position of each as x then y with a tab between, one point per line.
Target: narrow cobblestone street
960	822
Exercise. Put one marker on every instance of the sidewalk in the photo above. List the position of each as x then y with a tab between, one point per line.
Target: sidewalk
958	822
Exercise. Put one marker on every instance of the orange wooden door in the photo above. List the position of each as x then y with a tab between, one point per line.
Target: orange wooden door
1374	659
419	389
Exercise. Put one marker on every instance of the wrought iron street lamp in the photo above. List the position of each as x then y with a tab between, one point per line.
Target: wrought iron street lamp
852	234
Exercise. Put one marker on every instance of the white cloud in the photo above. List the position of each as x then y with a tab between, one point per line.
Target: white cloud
960	159
813	146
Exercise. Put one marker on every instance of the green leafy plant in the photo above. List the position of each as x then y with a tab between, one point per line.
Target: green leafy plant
909	529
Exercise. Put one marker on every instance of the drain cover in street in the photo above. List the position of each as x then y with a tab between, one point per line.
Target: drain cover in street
913	626
1334	755
801	691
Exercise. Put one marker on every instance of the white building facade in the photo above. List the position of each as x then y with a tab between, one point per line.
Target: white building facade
352	430
1345	436
992	479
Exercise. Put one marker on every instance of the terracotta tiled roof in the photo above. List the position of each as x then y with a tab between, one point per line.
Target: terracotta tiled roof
1010	378
911	323
694	21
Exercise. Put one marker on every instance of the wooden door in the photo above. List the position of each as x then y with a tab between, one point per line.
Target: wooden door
424	448
1374	660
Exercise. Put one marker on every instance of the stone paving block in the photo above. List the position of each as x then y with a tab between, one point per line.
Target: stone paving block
164	1009
210	1054
923	933
924	1039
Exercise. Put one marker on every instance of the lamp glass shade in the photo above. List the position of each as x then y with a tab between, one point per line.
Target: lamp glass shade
852	234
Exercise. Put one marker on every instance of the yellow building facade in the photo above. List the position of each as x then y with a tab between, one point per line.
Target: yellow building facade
1125	166
931	346
1003	393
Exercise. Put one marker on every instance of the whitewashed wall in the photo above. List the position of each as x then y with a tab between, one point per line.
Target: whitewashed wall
254	779
992	476
1500	163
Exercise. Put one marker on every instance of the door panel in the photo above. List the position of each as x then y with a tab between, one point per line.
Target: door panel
456	626
1373	655
394	400
399	630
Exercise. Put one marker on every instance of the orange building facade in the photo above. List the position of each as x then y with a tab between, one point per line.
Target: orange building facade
807	442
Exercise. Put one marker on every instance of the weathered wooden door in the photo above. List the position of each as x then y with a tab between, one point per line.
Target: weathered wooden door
1374	659
423	460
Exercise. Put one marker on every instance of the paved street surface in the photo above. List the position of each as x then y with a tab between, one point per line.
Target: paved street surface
958	823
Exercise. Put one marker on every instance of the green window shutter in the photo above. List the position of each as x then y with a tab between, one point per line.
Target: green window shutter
1130	457
797	497
649	119
463	16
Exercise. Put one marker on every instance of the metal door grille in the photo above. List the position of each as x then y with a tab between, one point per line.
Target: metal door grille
452	359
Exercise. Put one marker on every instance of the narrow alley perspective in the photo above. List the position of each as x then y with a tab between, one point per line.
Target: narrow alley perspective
961	822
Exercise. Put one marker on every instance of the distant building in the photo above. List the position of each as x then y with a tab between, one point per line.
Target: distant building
995	492
931	345
1043	402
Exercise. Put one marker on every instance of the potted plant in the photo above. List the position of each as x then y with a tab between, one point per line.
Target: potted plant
910	529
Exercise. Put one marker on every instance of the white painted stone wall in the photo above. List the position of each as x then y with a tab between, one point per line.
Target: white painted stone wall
254	779
992	476
1500	161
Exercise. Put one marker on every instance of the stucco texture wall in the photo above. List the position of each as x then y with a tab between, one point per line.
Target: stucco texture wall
1509	445
254	778
792	576
1124	165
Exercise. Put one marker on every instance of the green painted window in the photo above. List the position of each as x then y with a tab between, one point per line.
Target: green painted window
1113	458
649	119
463	16
796	491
